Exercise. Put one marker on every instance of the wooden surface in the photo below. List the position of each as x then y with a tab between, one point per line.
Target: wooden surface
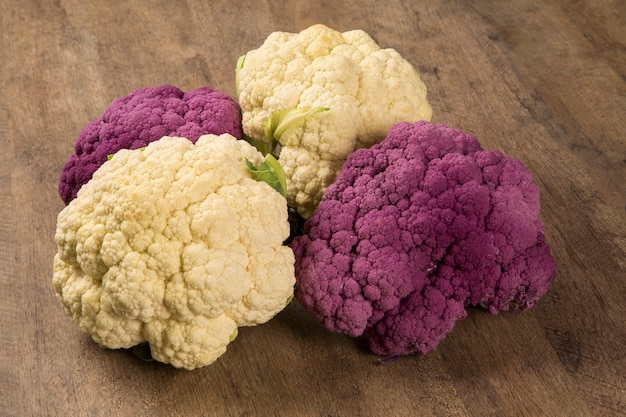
543	81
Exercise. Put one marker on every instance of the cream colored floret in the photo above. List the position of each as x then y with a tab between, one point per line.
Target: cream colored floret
366	88
176	245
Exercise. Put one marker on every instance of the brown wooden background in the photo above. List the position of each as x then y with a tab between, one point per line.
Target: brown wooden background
543	81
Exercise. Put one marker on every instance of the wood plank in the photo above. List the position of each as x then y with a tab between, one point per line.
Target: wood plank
575	119
544	82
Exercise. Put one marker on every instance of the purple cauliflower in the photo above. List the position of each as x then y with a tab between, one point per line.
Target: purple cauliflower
146	115
416	229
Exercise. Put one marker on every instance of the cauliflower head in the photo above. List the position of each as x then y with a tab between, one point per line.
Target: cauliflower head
176	245
416	229
318	95
145	115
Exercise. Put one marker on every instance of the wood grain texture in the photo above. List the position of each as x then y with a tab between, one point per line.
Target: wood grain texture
543	81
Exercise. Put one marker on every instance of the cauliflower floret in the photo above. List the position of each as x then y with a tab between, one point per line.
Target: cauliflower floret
413	231
319	95
175	245
143	116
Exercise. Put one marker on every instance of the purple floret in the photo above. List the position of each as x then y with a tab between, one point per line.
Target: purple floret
146	115
416	229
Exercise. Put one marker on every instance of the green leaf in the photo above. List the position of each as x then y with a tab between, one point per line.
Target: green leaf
110	156
270	172
233	335
240	62
280	121
263	147
288	300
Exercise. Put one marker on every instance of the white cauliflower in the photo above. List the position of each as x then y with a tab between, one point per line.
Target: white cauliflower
314	97
175	245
